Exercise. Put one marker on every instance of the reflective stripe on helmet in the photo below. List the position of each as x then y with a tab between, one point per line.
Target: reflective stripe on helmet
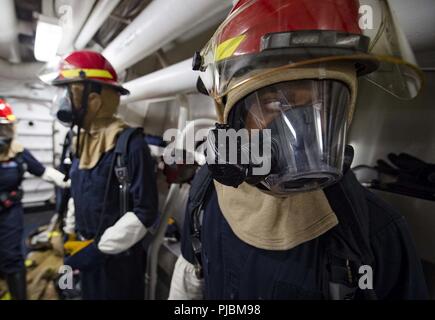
88	73
227	48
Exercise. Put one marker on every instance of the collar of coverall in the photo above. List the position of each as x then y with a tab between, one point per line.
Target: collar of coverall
101	128
275	223
344	72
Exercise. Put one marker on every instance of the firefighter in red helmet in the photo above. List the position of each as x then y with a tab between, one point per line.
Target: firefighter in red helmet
15	160
285	218
113	188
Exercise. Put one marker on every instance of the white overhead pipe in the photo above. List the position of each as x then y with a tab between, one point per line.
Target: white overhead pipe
203	26
8	35
417	22
99	15
47	8
22	71
178	78
73	15
161	22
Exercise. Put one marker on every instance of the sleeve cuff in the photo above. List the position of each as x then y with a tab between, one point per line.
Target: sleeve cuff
126	232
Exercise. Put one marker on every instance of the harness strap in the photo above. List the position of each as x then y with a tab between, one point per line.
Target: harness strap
198	199
119	166
348	244
22	165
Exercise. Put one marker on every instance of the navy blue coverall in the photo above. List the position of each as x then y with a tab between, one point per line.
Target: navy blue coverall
11	219
234	269
118	276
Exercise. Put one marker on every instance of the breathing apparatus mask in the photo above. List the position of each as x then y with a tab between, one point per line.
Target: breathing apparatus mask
296	129
6	136
70	104
70	107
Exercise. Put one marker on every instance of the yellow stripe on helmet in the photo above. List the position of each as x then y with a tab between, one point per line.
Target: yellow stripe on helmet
89	73
227	48
11	117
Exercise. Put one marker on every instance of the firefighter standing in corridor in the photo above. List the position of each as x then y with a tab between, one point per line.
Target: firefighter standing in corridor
304	229
113	186
15	160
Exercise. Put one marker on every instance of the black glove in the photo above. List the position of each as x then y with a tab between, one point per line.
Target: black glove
412	176
413	169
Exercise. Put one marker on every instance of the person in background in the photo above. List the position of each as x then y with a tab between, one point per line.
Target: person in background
113	184
15	160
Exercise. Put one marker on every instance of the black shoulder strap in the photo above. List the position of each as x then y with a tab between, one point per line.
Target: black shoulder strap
200	187
22	166
199	192
121	149
121	166
348	244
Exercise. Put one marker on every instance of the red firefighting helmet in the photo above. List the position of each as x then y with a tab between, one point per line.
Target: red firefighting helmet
264	35
6	114
81	66
264	25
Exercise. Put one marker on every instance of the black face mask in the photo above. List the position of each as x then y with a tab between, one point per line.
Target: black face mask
65	109
234	174
5	143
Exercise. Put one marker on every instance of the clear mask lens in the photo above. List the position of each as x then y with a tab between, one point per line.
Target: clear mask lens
307	121
62	107
6	135
7	131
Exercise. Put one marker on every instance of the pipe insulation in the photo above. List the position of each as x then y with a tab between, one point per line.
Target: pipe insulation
9	48
178	78
99	15
161	22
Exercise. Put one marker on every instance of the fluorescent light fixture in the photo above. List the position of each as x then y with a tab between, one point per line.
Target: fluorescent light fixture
47	40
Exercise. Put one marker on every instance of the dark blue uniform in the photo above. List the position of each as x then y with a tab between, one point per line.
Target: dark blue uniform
115	276
11	219
234	269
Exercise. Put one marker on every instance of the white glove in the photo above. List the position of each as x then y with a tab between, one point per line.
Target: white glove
185	285
56	177
70	219
126	232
